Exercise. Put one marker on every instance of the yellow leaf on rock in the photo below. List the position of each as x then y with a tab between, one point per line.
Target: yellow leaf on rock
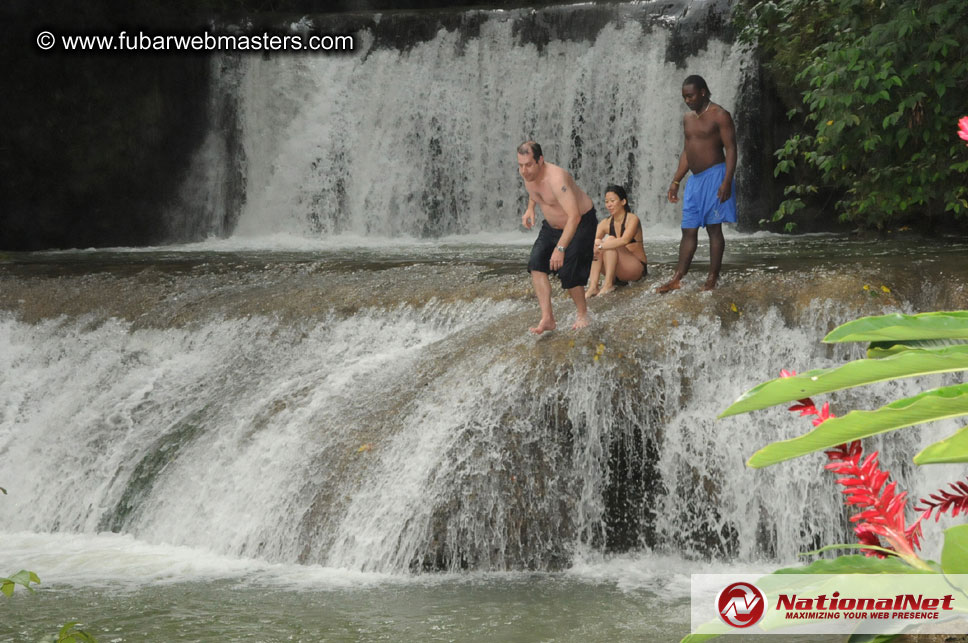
885	289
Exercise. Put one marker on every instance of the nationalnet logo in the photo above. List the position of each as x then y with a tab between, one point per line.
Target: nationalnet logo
741	604
791	603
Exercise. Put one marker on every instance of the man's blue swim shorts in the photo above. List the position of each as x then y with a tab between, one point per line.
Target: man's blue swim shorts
700	203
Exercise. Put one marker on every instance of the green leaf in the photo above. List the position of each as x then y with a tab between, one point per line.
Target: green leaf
840	546
938	404
871	638
936	325
66	629
23	577
902	137
69	634
954	556
954	553
880	350
698	638
906	363
854	564
952	449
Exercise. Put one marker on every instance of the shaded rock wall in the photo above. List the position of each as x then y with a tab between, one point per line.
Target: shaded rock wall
93	144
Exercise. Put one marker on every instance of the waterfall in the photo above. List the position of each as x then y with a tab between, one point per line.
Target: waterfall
379	406
386	423
414	133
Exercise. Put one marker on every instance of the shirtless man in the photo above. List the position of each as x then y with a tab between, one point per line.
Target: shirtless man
565	243
709	199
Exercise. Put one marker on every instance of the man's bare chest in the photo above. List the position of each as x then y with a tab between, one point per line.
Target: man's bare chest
542	194
701	131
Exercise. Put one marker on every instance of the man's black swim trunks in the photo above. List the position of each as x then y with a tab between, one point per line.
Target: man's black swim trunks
578	255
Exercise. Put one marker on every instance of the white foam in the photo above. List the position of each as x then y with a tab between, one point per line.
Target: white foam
122	561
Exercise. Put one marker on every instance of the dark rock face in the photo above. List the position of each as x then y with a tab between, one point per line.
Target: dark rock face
93	144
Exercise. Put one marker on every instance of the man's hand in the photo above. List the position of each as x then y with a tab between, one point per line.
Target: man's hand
557	260
673	193
725	190
527	220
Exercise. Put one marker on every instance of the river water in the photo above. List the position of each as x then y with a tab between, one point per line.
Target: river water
328	421
358	440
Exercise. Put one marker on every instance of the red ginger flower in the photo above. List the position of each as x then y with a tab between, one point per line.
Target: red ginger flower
963	128
956	501
882	510
823	414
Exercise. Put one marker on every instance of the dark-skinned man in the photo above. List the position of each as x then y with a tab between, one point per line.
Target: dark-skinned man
709	201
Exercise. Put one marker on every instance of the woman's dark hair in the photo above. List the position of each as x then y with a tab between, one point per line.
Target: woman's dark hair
621	194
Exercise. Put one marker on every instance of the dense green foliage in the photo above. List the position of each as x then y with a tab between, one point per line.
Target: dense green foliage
875	90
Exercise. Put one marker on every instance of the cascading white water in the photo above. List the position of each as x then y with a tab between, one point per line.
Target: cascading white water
421	141
415	435
394	416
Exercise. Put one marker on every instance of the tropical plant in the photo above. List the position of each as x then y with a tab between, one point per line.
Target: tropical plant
871	88
955	501
882	508
23	578
67	634
898	346
70	634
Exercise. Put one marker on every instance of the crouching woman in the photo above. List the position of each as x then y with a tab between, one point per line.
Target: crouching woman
619	251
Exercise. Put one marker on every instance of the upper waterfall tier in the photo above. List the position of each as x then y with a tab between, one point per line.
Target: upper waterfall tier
414	133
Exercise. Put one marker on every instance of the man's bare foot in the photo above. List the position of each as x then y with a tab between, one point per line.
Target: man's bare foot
710	284
543	325
672	285
582	321
606	290
591	292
